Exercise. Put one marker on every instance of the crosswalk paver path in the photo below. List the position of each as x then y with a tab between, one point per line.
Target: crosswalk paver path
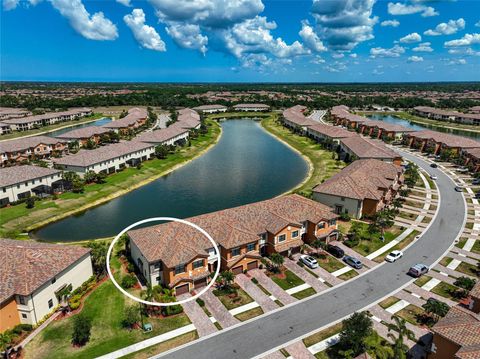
463	258
470	254
298	350
272	287
198	317
425	294
451	272
218	310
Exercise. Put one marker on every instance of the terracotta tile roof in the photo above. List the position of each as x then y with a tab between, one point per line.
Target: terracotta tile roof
161	136
18	174
361	180
135	115
462	327
446	138
26	143
475	292
46	116
332	131
26	265
368	148
289	244
389	127
85	158
85	132
230	228
295	115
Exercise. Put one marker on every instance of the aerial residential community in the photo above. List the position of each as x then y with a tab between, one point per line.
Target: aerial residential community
242	179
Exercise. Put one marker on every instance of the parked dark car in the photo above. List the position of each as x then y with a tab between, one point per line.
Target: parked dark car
476	181
433	165
336	251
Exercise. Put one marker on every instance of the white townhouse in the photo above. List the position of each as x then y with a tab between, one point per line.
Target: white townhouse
168	136
211	108
35	278
107	159
20	182
252	107
31	122
11	112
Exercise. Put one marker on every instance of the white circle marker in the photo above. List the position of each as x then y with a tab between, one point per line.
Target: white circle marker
156	219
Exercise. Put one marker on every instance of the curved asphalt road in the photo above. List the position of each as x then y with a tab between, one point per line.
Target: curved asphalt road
277	328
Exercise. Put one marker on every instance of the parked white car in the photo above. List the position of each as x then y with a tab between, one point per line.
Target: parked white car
394	256
433	177
309	261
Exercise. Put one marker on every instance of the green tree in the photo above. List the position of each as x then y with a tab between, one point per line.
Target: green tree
354	332
377	346
399	325
225	280
82	326
123	114
161	151
30	202
91	144
317	244
436	309
90	177
277	261
5	340
131	316
465	283
98	254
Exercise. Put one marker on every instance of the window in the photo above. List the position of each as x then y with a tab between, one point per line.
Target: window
332	222
198	264
50	303
158	265
294	234
21	299
281	238
24	316
250	247
235	252
321	225
159	279
180	269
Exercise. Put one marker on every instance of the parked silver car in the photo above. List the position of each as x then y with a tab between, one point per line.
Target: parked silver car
418	270
309	261
353	262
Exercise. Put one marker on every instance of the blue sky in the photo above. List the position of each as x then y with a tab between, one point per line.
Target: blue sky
240	40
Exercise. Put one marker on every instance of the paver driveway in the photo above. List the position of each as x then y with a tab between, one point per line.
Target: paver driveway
255	292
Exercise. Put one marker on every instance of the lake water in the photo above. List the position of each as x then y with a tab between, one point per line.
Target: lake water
100	122
247	165
419	127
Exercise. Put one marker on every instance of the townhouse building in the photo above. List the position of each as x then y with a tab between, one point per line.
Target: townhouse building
180	257
436	142
11	112
30	148
383	130
447	115
471	158
35	275
20	182
251	107
329	135
169	136
357	147
37	121
361	189
295	119
106	159
211	109
135	118
85	134
5	128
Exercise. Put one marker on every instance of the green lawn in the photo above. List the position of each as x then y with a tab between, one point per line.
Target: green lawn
475	248
304	293
287	280
106	307
444	289
330	263
348	275
445	261
324	166
232	301
18	219
388	302
468	268
405	242
249	314
322	335
422	280
372	241
411	313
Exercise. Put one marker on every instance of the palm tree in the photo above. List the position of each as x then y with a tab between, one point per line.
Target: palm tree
400	326
225	280
397	204
436	309
277	261
5	341
376	344
317	244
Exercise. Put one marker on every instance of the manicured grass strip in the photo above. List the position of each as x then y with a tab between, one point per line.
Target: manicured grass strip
17	219
422	280
410	313
323	165
405	242
475	248
304	293
322	335
469	269
231	302
373	241
349	275
330	264
445	261
290	280
249	314
218	325
388	302
106	306
444	289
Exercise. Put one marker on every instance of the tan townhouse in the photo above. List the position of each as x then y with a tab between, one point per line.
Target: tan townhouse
31	148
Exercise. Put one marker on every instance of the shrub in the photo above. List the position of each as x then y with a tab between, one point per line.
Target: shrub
172	310
131	316
465	283
82	326
254	280
30	202
200	302
345	217
129	281
130	268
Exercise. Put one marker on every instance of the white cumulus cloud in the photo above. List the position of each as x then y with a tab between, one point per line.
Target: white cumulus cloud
423	47
405	9
343	24
392	23
310	38
188	36
395	51
124	2
446	28
10	4
146	35
410	38
415	59
466	40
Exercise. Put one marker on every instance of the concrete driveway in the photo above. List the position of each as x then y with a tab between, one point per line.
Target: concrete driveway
281	327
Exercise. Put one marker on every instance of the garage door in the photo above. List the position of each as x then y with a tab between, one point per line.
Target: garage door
252	265
200	283
237	270
181	289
